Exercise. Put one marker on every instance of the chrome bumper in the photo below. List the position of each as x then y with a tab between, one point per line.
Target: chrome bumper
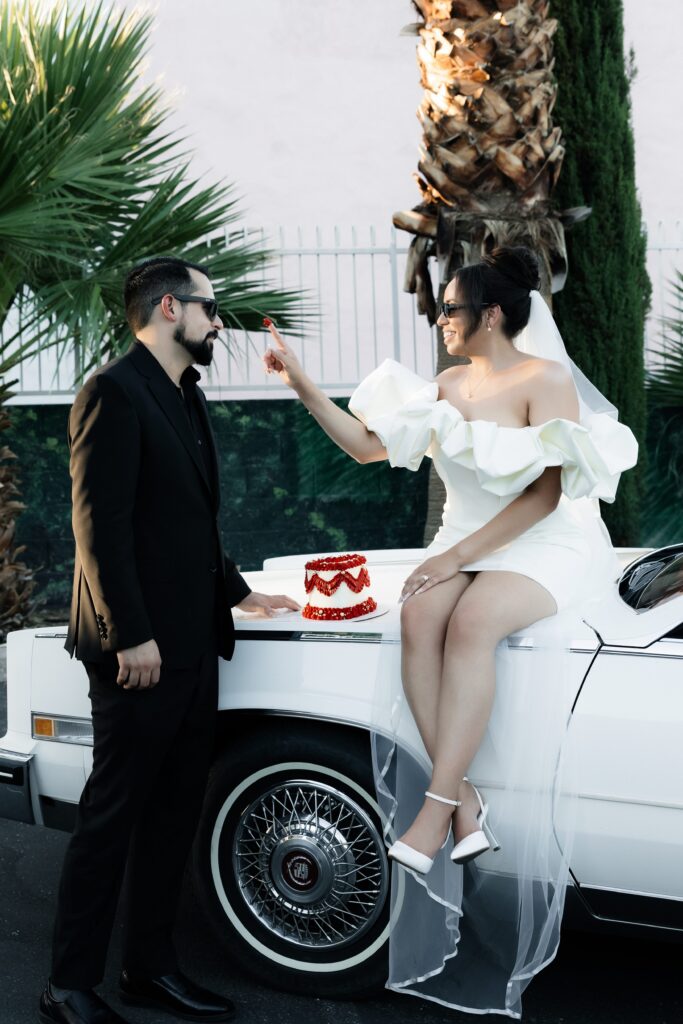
15	786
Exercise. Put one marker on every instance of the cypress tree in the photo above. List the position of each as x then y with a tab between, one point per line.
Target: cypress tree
601	311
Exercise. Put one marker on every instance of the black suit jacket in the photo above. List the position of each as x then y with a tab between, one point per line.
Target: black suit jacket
149	557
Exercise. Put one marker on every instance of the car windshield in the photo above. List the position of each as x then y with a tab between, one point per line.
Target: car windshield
653	579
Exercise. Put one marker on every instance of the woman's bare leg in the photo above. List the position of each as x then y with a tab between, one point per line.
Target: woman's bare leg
424	621
493	606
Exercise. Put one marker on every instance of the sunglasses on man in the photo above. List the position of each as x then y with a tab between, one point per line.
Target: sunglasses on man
210	305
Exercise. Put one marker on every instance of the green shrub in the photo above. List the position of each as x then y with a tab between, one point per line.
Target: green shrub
601	311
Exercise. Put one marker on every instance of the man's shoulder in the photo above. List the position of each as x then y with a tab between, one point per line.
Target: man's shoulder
111	386
118	371
118	368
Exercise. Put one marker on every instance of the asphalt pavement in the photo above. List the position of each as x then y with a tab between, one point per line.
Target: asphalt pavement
593	980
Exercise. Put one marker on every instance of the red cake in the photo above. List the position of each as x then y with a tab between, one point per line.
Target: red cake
338	588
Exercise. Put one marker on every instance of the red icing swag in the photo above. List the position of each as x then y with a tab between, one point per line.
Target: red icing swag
329	587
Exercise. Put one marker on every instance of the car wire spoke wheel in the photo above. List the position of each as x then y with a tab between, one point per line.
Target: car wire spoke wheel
290	862
309	864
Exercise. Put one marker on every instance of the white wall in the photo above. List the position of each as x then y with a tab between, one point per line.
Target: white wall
650	28
309	107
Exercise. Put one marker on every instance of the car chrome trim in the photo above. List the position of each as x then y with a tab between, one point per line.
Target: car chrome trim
83	729
273	634
522	642
258	634
627	922
528	643
296	963
623	907
309	864
640	652
635	892
15	786
625	913
14	755
515	642
362	638
603	798
316	637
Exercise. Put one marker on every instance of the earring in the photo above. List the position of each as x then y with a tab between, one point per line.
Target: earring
488	327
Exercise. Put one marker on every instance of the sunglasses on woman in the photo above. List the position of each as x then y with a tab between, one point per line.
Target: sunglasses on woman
210	305
449	309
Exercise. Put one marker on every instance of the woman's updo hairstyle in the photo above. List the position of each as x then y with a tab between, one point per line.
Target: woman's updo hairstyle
504	278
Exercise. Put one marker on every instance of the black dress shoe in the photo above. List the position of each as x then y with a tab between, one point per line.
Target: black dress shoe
176	994
77	1008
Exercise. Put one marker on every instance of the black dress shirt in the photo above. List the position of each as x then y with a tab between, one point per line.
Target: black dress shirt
187	392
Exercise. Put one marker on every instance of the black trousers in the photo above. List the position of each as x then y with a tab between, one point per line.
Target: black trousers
139	810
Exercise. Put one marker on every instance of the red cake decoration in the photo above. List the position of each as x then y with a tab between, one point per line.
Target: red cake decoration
333	583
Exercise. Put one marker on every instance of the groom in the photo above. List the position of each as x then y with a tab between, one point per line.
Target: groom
150	615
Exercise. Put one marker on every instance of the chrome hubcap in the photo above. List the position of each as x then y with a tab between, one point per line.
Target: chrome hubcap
310	864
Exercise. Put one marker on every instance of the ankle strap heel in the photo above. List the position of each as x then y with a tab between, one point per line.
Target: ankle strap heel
413	859
477	842
443	799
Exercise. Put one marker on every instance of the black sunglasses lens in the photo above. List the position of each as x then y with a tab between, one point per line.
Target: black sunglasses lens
211	309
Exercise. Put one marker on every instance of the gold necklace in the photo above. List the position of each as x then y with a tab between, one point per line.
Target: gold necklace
471	392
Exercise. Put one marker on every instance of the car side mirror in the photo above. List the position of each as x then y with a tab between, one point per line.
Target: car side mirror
653	578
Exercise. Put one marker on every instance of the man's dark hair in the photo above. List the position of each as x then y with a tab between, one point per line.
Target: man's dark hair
150	280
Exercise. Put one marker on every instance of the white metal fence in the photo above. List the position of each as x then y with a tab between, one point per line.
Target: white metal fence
355	280
352	279
664	259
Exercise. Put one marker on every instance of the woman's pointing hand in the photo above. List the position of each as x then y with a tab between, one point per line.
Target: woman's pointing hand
281	359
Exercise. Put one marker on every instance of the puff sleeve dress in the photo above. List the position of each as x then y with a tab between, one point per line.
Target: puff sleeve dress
471	938
485	466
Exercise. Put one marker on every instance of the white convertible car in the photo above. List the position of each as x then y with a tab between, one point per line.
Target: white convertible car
289	861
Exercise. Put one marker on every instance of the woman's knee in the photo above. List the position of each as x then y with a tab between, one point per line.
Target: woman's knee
414	619
424	617
472	624
421	623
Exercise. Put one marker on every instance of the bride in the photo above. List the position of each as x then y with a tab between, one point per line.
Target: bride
525	445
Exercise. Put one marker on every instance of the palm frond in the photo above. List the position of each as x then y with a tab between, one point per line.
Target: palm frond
92	182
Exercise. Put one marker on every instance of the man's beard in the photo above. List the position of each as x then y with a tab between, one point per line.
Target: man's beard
201	351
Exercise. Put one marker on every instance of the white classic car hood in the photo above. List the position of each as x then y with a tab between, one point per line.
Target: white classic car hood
608	616
388	571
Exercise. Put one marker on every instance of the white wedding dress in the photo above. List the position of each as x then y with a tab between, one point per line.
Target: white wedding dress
484	467
472	937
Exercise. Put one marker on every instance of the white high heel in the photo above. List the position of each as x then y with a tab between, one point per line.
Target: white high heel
413	859
476	842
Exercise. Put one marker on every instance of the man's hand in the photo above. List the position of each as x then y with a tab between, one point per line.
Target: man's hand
265	605
139	666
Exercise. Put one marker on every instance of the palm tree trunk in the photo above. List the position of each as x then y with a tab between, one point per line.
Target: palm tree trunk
491	155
